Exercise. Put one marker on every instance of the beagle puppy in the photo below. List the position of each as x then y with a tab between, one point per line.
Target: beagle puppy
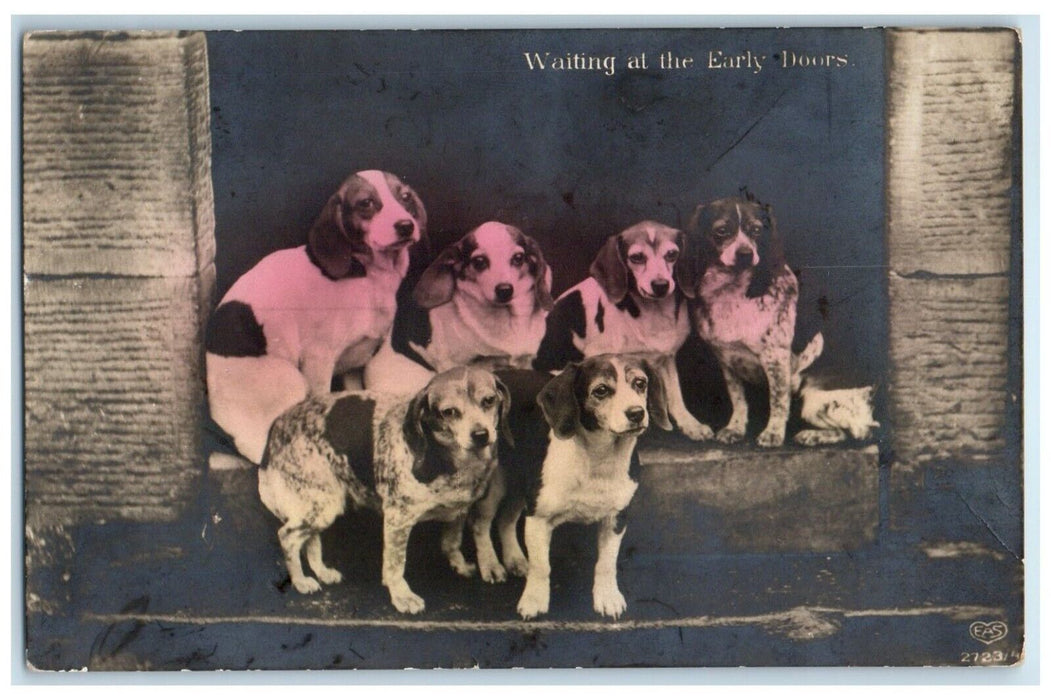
633	302
745	307
834	413
482	300
574	461
303	315
429	458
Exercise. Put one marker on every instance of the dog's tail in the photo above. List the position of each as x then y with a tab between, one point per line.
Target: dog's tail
806	358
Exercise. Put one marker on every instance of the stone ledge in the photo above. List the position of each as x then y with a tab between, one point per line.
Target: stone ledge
707	500
691	500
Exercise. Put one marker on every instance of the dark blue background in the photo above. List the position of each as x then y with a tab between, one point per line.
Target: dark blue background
572	157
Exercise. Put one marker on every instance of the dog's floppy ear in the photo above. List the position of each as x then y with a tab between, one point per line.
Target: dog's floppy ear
686	277
339	252
771	255
505	412
558	401
657	397
413	429
538	269
438	281
609	269
701	250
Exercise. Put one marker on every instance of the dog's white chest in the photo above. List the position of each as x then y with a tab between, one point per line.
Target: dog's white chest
727	317
460	334
577	487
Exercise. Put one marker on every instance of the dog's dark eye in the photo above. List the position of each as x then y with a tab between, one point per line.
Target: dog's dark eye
754	231
518	260
450	412
405	196
366	203
639	384
722	232
480	263
489	401
671	256
637	259
602	391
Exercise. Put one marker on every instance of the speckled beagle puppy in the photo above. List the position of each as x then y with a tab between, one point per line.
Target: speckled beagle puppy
573	461
745	307
483	300
429	458
633	302
303	315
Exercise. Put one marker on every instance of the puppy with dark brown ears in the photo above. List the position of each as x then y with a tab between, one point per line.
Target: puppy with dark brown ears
304	315
573	460
429	458
482	301
745	307
633	302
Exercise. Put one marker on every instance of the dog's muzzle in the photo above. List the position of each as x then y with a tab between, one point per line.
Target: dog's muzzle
660	287
635	415
743	258
480	437
404	228
504	292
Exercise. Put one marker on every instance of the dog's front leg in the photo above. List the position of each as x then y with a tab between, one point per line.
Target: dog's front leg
318	367
607	597
507	524
537	594
481	528
778	369
396	529
452	540
734	430
690	426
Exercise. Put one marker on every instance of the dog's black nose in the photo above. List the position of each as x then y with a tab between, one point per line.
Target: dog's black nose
480	437
636	414
660	287
743	258
504	292
404	228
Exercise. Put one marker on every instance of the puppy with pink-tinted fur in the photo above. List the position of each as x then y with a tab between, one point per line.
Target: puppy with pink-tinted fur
745	307
482	301
304	315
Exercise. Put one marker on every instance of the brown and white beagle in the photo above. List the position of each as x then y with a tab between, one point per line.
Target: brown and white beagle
303	315
745	307
573	461
429	458
483	300
633	302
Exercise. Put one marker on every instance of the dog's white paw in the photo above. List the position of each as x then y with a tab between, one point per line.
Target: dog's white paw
729	436
329	576
810	438
405	601
306	585
696	430
517	564
771	438
534	601
492	571
463	568
609	601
